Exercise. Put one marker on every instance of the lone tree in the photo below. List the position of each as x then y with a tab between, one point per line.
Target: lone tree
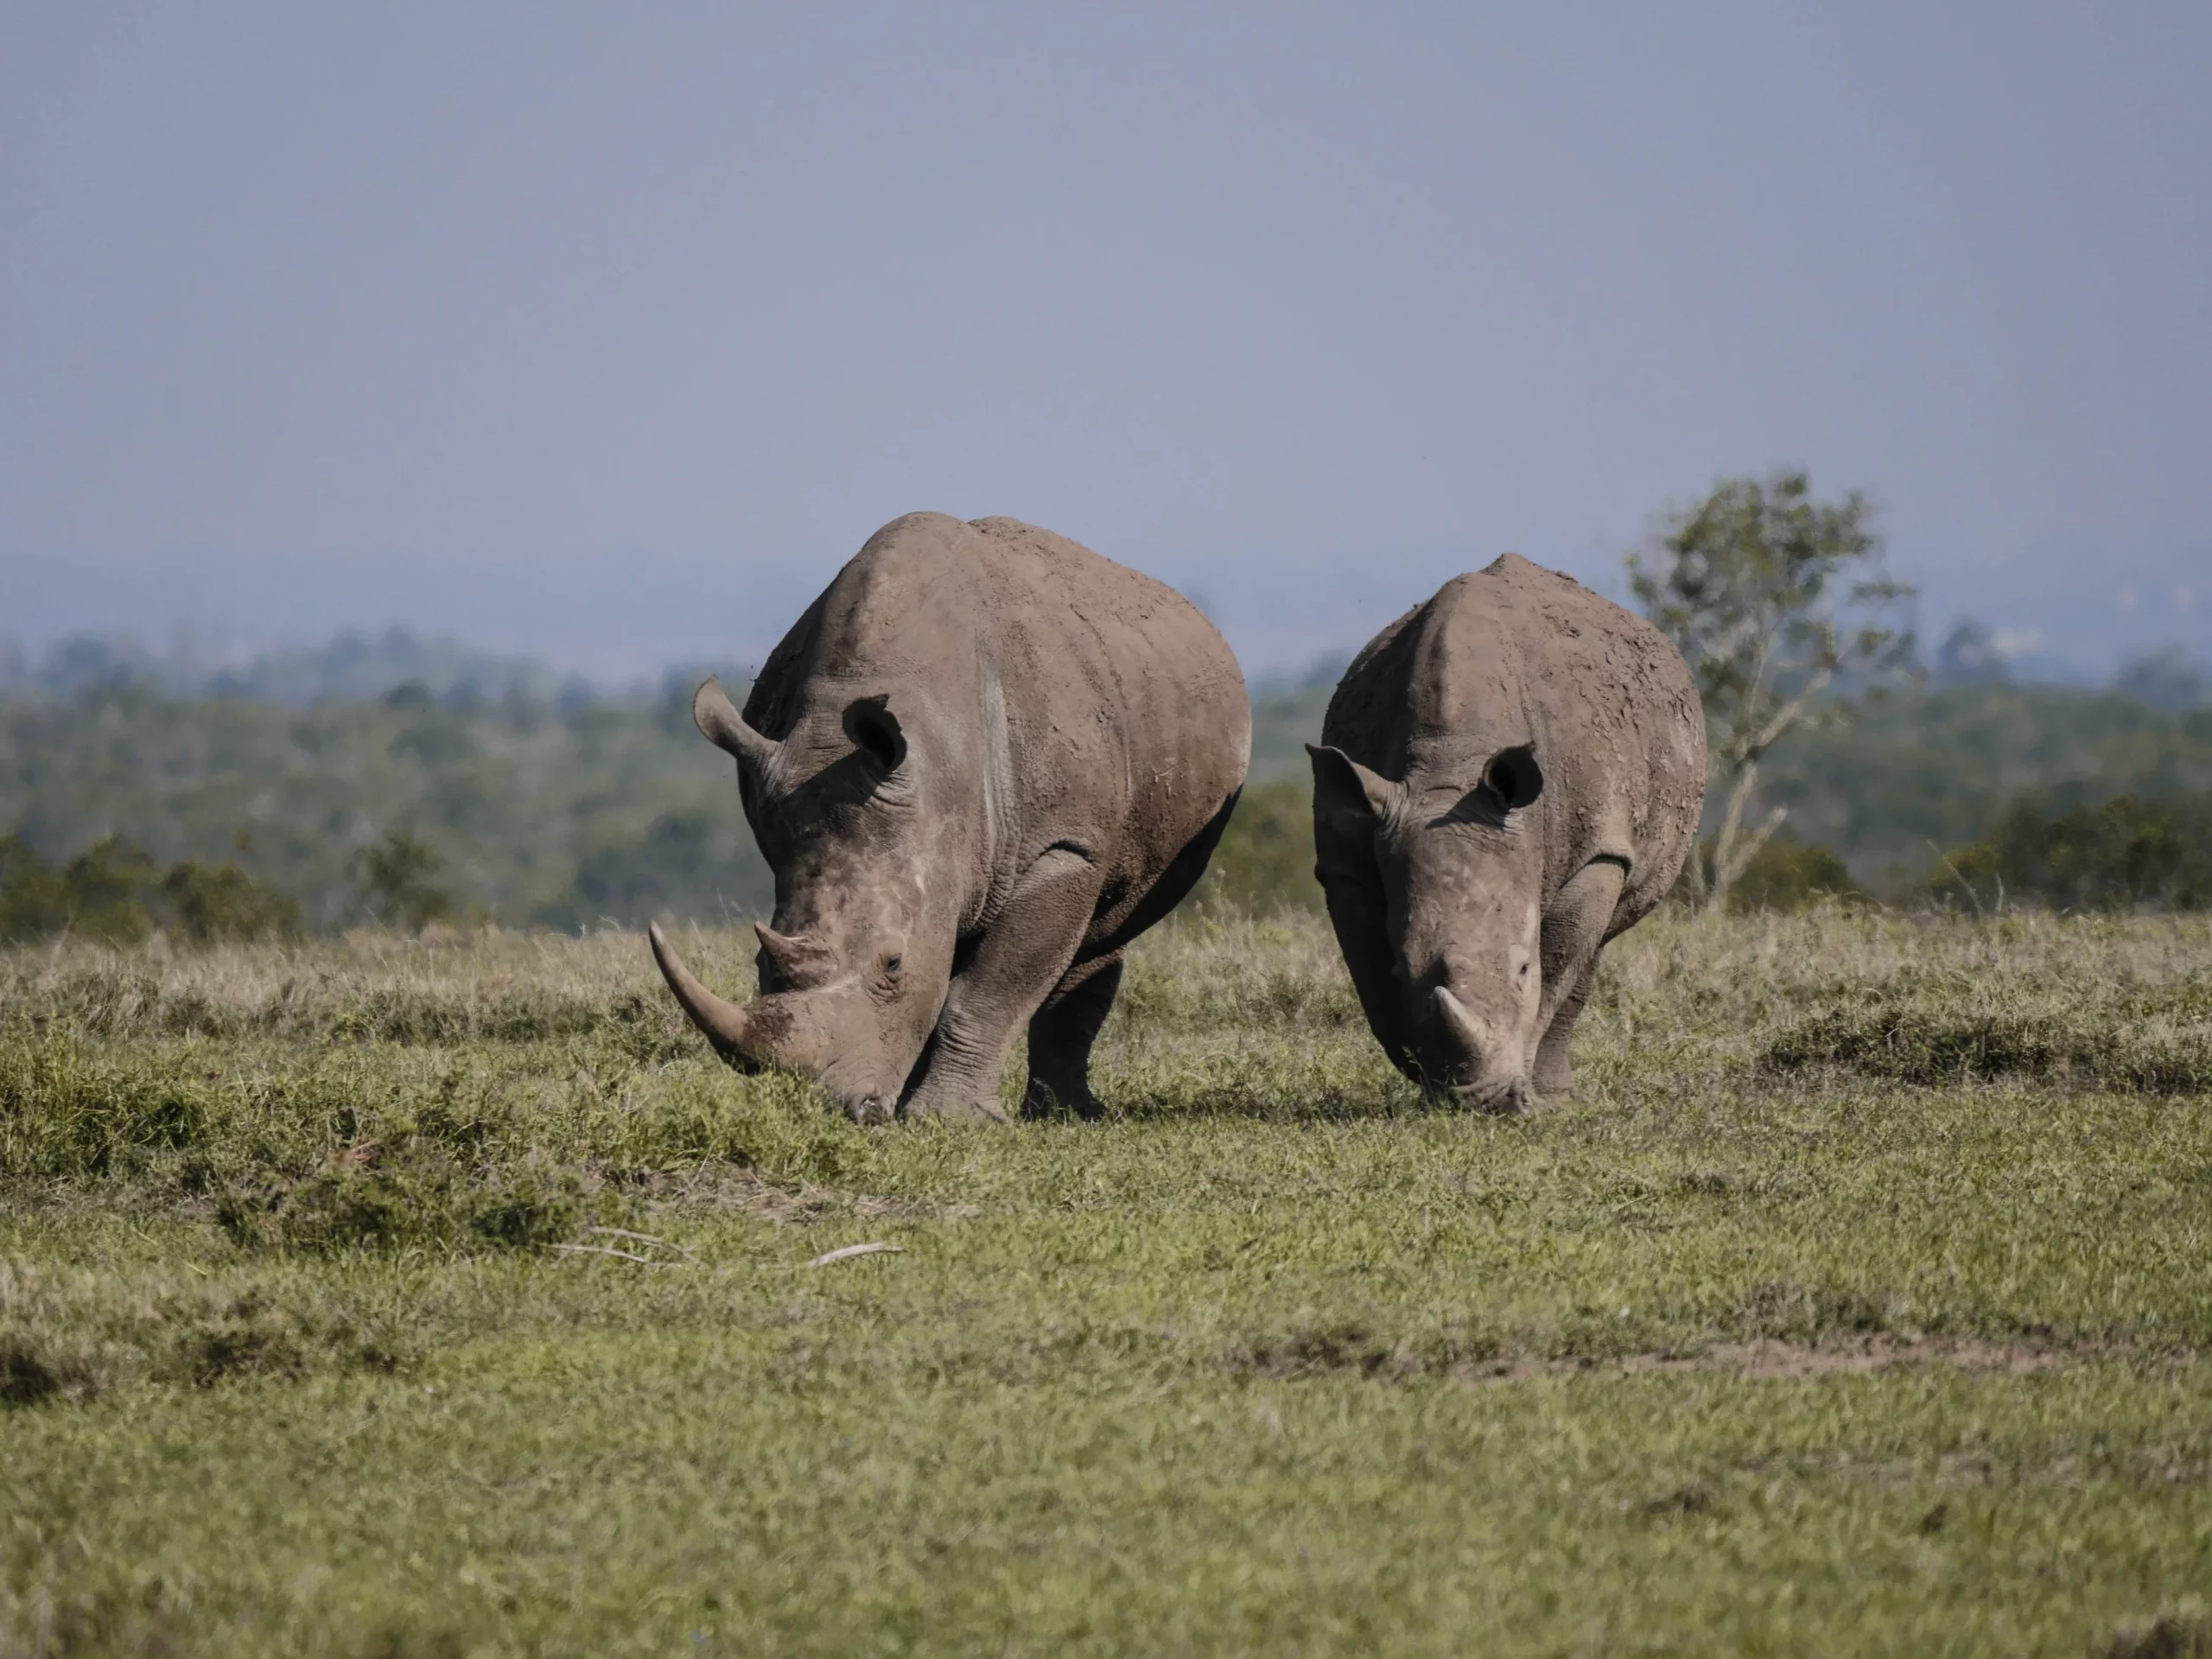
1772	597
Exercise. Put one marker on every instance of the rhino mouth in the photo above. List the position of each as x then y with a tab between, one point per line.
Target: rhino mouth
1470	1068
782	1031
870	1108
1512	1099
787	1031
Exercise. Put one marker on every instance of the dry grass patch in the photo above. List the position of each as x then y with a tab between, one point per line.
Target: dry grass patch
2155	1040
75	1335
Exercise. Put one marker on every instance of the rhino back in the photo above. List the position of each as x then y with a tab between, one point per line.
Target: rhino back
1514	654
1129	726
1099	707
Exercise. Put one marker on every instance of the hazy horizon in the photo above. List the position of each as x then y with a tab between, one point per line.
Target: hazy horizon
605	337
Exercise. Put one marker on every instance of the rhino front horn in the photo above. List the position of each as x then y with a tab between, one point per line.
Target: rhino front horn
723	727
1466	1035
726	1025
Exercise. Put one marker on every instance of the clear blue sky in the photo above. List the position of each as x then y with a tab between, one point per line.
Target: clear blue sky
607	332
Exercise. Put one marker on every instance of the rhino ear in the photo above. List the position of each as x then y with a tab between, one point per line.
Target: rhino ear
875	731
1512	779
1346	793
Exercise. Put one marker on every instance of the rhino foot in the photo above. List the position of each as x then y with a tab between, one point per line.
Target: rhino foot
946	1106
1517	1100
1042	1100
1553	1083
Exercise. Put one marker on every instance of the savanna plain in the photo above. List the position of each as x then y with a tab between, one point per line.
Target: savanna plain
395	1297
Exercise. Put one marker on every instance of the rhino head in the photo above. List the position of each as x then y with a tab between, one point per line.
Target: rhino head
1442	879
854	968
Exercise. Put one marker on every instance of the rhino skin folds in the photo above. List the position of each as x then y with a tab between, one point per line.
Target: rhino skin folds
1509	775
982	761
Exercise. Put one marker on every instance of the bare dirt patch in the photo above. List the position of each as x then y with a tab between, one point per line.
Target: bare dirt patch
75	1334
1351	1346
1771	1360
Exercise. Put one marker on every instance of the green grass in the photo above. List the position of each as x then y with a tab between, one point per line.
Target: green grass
1857	1305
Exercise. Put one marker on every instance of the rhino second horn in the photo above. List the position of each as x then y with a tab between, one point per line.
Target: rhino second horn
791	953
723	727
726	1024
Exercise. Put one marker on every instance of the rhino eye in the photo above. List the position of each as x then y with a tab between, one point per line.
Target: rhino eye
893	964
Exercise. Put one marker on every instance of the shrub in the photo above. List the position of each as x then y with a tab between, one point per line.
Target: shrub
2125	853
207	903
1785	874
67	1112
113	893
395	877
31	902
1788	874
105	890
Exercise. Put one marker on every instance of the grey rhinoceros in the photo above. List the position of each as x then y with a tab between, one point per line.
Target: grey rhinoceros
982	761
1513	774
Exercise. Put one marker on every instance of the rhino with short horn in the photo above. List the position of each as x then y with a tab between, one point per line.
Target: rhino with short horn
1510	774
982	761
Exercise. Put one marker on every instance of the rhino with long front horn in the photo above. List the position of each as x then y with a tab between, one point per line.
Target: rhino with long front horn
1509	775
982	761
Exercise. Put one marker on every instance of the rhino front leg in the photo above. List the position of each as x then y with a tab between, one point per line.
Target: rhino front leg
1060	1036
1574	931
1023	955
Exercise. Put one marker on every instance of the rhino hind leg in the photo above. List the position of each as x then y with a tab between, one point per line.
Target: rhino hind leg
1020	961
1176	881
1575	929
1060	1037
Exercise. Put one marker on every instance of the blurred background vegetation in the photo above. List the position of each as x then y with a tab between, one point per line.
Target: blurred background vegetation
389	781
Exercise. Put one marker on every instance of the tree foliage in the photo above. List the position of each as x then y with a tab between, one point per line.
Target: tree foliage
2170	678
1777	600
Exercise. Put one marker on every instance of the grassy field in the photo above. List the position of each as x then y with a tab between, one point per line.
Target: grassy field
391	1298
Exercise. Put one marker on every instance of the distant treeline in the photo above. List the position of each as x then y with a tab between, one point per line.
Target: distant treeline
354	666
1939	768
534	816
533	811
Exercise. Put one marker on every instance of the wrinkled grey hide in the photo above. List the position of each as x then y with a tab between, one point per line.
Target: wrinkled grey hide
983	761
1512	774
